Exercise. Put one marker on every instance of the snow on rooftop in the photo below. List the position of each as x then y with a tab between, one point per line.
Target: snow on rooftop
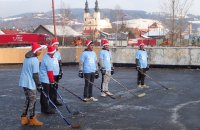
38	17
195	22
62	30
10	19
105	23
139	23
1	32
40	14
156	32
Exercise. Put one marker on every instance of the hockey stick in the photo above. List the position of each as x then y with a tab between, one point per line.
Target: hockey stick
72	93
60	113
62	100
74	113
99	88
154	80
140	95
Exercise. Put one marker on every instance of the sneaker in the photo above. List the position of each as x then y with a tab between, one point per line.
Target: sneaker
144	86
109	93
93	99
87	99
103	94
140	86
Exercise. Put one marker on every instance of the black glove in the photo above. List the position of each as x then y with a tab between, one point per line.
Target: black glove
112	70
39	88
103	71
96	74
138	68
147	68
60	75
80	73
54	84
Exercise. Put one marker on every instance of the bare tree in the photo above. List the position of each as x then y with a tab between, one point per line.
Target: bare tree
117	15
65	19
175	12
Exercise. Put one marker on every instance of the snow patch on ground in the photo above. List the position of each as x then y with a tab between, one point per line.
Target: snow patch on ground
121	107
175	116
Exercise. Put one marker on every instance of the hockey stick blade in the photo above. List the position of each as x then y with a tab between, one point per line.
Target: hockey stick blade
75	126
141	95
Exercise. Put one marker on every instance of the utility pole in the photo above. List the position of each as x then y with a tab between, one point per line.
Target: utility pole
123	26
54	20
173	20
148	36
116	40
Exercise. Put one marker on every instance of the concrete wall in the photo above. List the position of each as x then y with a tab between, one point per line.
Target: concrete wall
14	55
160	55
157	55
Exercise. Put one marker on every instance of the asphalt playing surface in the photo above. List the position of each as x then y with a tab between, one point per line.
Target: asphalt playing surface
160	109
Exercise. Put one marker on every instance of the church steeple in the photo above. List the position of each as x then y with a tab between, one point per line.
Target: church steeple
96	6
86	7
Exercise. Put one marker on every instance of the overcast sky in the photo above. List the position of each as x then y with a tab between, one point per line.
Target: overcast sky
13	7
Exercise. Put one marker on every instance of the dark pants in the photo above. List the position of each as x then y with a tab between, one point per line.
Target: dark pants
102	80
53	91
43	100
141	77
88	86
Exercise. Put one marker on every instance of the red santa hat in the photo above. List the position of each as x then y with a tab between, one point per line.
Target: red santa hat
141	44
104	42
88	42
54	41
36	47
51	49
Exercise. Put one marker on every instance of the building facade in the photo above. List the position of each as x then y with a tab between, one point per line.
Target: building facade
94	21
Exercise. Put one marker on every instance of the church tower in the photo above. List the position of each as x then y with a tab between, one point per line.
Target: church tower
86	8
91	22
97	15
86	16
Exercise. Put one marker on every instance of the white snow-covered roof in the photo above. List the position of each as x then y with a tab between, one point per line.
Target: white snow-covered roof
10	19
139	23
195	22
1	32
62	30
144	36
105	23
156	32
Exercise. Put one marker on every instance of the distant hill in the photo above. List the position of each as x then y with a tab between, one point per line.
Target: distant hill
30	21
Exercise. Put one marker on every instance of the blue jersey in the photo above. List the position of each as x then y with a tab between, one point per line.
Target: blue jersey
57	58
30	66
106	58
142	56
57	55
47	64
89	60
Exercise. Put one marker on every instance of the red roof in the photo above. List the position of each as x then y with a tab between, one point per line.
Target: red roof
154	25
10	31
86	32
